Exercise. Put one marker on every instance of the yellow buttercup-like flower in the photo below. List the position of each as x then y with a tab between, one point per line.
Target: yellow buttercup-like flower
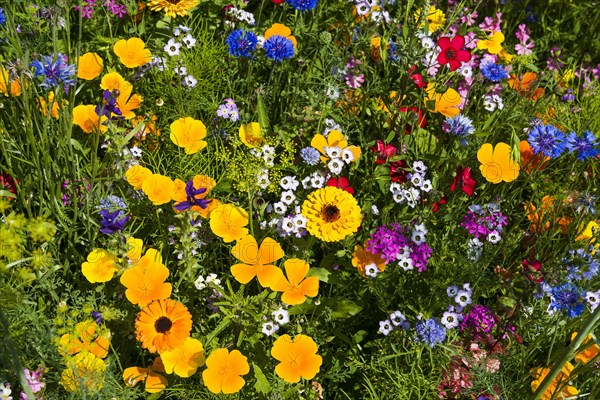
158	188
297	358
497	164
185	359
173	8
188	133
89	66
132	52
332	214
228	221
445	103
100	266
51	104
86	118
8	86
257	261
493	44
225	370
252	134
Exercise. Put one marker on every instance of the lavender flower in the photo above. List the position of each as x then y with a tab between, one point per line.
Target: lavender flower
430	332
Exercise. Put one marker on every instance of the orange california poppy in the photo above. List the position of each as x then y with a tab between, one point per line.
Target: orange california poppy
297	358
89	66
225	370
185	359
590	351
86	118
257	261
188	133
136	175
445	103
154	382
296	287
281	30
228	221
542	218
496	163
145	282
335	138
529	160
559	384
132	52
361	258
163	325
85	337
158	188
252	135
526	85
100	266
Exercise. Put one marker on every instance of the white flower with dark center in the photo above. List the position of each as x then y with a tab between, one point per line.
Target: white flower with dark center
189	41
172	47
452	291
463	298
419	167
317	180
493	237
280	207
450	320
335	166
399	197
418	237
406	263
347	156
289	183
288	197
426	186
190	81
333	151
371	270
593	299
269	328
416	180
300	221
395	187
397	318
385	327
281	316
288	225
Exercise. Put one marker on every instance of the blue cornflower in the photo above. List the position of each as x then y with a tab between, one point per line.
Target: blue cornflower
303	5
55	72
191	200
586	146
310	155
112	214
459	126
241	43
2	17
393	53
494	72
279	48
568	296
430	332
547	140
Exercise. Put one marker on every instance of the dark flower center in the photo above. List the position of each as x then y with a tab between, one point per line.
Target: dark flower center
174	1
163	324
450	53
330	213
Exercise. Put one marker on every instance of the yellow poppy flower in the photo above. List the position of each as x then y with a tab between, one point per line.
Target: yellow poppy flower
158	188
296	287
136	175
100	266
281	30
590	230
436	18
590	352
361	258
335	138
112	81
89	66
132	52
297	358
85	337
228	221
225	370
256	261
562	378
445	103
154	382
185	359
134	249
497	165
127	102
50	104
85	372
8	86
86	118
188	133
252	134
145	282
493	44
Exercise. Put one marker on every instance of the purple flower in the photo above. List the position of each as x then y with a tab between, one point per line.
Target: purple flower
191	199
430	332
34	379
480	319
112	221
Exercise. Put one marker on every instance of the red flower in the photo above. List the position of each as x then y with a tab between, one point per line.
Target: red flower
416	78
533	270
341	183
8	183
464	181
384	151
435	207
452	52
414	117
398	172
278	1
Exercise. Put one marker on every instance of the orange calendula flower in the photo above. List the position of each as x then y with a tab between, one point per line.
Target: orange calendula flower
496	163
85	337
445	103
132	52
296	287
493	44
158	188
526	85
281	30
297	358
228	221
86	118
85	372
558	386
163	325
529	160
252	135
361	259
136	175
334	139
154	382
188	133
173	8
100	266
225	370
185	359
89	66
145	281
257	261
590	349
8	86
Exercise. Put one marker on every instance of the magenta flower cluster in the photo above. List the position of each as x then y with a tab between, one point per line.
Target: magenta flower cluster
479	320
405	245
485	221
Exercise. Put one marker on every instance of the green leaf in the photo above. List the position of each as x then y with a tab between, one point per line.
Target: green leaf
154	396
263	116
321	273
343	309
262	383
6	193
390	137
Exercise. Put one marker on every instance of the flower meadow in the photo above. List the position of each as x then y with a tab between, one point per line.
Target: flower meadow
299	199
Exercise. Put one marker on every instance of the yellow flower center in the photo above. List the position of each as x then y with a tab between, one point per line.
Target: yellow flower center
163	325
330	213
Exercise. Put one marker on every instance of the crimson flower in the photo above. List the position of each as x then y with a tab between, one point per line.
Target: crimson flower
414	117
464	181
8	183
278	1
452	52
341	183
435	207
398	171
533	270
384	151
416	78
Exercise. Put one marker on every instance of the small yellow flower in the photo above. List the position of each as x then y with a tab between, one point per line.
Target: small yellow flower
436	18
8	86
89	66
100	266
132	52
185	359
252	134
493	45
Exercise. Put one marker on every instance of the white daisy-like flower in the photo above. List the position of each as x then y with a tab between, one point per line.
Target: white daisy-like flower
212	278
200	283
181	29
317	180
452	291
371	270
281	316
416	180
426	186
395	187
300	221
418	237
593	299
406	263
404	252
288	225
280	207
399	197
288	197
385	327
463	298
397	318
269	328
333	151
420	167
189	41
289	183
332	93
190	81
335	166
466	71
450	320
347	156
172	47
306	182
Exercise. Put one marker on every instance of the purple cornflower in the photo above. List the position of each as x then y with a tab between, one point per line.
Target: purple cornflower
430	332
241	43
310	155
191	200
56	72
480	319
547	140
585	147
568	296
459	126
